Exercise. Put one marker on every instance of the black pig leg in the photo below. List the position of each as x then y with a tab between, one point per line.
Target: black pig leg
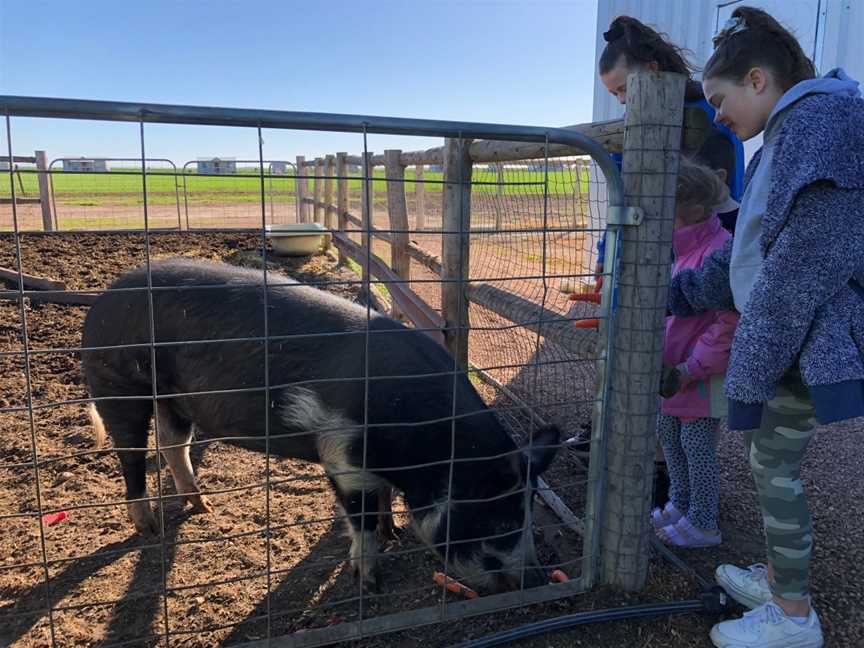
127	423
175	435
363	556
386	527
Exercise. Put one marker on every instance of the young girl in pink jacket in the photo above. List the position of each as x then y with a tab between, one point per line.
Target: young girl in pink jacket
697	351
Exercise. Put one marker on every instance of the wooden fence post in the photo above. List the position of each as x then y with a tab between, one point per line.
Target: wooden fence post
420	197
499	204
318	191
367	200
341	196
652	140
44	193
456	225
329	207
302	190
397	210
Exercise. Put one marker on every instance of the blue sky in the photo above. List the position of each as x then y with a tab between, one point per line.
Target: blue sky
505	61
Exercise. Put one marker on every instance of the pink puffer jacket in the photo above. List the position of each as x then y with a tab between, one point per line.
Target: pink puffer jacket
702	341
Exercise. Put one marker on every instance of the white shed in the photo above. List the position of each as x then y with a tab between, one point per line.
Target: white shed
219	166
82	164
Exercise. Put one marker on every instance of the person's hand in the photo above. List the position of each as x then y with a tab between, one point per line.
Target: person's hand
684	375
670	381
674	379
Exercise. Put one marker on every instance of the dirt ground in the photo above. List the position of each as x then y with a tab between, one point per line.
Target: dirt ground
216	566
105	583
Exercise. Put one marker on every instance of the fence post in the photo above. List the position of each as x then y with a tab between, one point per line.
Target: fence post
302	190
456	226
499	207
318	191
44	193
367	199
652	140
420	195
341	196
329	207
397	210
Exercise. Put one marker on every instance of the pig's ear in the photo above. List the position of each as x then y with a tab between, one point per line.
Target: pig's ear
543	447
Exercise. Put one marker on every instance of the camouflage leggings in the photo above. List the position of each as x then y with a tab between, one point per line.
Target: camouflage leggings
775	452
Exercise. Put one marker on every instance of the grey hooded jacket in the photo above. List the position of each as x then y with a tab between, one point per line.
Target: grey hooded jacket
798	260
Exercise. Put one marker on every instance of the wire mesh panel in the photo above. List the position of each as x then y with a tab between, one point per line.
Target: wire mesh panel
105	193
227	192
22	173
187	438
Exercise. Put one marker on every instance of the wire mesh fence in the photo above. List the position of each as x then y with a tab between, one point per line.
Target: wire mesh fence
29	192
105	193
303	408
226	193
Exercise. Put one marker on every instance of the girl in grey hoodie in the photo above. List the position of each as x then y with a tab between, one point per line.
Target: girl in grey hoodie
794	271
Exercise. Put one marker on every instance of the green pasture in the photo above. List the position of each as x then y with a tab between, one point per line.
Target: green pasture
126	187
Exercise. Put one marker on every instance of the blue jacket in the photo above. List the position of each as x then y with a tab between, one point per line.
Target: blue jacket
807	306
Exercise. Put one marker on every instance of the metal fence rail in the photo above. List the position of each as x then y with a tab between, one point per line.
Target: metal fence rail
27	357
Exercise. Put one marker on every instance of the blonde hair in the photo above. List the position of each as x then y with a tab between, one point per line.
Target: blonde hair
699	185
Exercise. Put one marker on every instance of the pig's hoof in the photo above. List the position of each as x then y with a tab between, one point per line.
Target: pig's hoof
199	503
371	580
143	518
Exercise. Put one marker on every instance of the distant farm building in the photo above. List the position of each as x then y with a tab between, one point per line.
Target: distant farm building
278	168
91	165
220	166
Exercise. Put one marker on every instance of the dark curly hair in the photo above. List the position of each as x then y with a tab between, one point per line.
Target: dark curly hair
640	44
754	38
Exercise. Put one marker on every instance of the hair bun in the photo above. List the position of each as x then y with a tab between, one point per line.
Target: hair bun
615	32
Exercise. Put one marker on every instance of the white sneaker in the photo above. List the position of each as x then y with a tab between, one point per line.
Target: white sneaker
747	586
768	627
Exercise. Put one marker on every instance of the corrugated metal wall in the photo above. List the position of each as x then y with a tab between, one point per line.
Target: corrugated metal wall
689	23
843	43
832	31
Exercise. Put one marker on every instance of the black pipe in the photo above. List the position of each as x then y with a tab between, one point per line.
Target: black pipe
712	601
582	618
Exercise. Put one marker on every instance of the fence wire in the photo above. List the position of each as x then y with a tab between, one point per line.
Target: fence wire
270	560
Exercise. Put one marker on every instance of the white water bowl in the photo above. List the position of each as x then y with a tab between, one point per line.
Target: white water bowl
296	239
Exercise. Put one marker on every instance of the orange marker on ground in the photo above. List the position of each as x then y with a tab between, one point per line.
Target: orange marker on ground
453	585
559	576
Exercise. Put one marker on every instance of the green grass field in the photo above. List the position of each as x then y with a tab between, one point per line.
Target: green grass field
92	189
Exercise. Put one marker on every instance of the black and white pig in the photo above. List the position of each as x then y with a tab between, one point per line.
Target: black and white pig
317	410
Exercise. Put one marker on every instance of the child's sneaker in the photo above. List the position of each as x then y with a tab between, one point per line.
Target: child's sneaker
768	627
669	514
749	586
683	534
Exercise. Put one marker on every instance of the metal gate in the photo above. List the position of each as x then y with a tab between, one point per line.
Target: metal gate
368	613
96	192
276	169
